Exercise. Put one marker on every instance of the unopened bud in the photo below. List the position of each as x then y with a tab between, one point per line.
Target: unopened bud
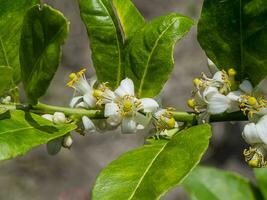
6	100
59	118
67	142
48	117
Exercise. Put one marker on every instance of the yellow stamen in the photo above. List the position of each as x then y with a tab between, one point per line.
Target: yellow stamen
171	122
252	100
127	105
197	82
232	72
97	94
191	103
75	77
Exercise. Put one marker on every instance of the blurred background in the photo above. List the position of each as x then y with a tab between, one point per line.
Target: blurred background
70	174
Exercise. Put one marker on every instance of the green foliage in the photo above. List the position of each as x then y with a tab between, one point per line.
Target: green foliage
105	40
234	35
130	18
21	131
44	31
261	177
146	53
150	171
213	184
150	53
6	78
11	18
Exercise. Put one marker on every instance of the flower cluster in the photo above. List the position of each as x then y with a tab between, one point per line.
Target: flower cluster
121	106
221	94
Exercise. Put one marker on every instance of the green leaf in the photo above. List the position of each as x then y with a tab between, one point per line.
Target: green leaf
22	131
150	53
150	171
234	35
105	40
11	18
261	177
130	18
208	183
6	77
44	31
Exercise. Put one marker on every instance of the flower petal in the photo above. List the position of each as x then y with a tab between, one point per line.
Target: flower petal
88	124
261	127
149	105
89	99
114	120
218	76
126	88
75	100
128	126
218	103
235	95
250	134
142	119
246	87
111	109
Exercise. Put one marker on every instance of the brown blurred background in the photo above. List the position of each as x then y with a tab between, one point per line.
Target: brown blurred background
70	174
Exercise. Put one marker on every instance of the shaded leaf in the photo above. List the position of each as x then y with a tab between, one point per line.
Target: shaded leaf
210	183
105	40
150	171
234	35
6	78
130	18
23	131
11	18
261	177
44	31
150	53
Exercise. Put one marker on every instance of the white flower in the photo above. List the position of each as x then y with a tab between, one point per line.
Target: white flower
213	102
88	124
250	100
84	89
256	133
125	108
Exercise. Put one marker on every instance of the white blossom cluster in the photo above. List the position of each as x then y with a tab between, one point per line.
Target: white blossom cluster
221	94
121	106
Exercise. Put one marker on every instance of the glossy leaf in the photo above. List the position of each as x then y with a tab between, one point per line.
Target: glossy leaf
44	31
150	53
11	18
234	35
150	171
105	40
208	183
6	78
261	177
22	131
130	18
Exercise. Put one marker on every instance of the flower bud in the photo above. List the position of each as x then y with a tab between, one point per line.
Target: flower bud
48	117
59	118
67	141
